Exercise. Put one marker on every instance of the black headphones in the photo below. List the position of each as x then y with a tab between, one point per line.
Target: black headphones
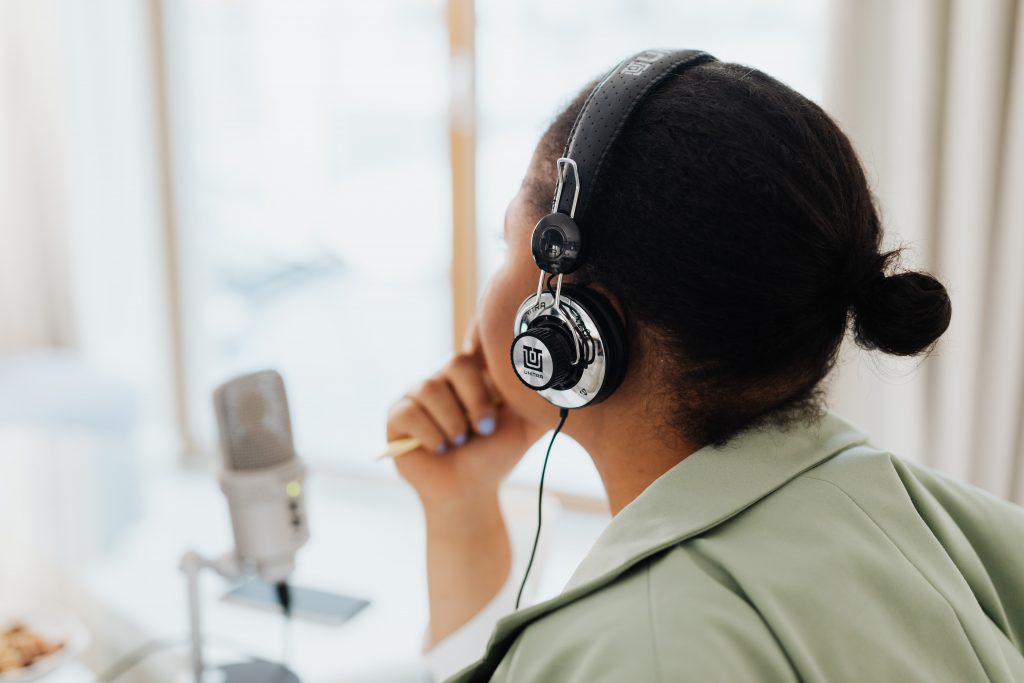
570	344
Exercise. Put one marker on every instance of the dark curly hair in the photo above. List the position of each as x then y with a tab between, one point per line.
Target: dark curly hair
735	226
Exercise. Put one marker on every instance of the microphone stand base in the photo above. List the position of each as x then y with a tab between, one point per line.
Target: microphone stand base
258	671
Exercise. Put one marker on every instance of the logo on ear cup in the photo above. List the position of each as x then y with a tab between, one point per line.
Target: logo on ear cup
533	359
528	359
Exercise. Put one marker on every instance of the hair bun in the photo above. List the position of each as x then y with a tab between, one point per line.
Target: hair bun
902	314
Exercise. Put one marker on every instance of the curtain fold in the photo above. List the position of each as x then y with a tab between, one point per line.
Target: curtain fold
999	422
932	94
35	308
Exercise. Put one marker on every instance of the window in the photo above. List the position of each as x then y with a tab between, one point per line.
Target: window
311	168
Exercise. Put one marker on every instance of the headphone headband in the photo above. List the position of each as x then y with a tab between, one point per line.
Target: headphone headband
572	348
605	113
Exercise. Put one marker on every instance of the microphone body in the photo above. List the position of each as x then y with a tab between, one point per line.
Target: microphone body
261	476
269	523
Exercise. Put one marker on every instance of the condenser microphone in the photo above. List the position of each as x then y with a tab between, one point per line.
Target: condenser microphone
261	476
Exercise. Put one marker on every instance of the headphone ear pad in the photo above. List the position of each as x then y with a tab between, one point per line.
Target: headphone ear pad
613	334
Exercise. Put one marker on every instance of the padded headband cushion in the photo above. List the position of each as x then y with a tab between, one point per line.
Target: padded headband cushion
606	110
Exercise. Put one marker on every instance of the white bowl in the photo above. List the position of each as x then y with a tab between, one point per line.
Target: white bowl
62	628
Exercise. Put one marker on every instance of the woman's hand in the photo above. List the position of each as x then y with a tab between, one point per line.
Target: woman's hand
470	443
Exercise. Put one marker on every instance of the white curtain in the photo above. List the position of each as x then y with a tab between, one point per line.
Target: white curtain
932	94
34	296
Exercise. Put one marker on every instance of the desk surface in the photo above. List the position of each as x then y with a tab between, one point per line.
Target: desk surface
366	540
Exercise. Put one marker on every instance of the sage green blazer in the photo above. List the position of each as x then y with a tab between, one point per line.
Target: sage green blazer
800	555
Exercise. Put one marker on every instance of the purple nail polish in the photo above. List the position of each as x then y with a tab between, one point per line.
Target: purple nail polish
486	426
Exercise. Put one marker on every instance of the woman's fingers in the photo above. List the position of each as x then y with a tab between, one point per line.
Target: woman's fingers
438	398
466	377
446	409
409	419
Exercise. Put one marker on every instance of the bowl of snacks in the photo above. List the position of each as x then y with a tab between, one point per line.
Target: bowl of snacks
33	646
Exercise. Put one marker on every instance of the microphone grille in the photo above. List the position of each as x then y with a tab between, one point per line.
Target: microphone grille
255	427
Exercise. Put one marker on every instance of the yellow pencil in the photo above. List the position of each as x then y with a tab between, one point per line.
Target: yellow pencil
399	447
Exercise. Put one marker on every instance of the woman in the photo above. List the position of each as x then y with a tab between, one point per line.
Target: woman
754	535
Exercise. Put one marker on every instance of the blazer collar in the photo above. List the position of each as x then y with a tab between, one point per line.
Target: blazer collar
707	488
710	486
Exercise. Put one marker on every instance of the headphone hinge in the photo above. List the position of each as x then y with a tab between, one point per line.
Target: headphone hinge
560	166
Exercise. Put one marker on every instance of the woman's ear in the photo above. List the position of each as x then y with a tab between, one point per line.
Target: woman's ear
612	299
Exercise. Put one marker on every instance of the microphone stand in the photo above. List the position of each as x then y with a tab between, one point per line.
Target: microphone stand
255	671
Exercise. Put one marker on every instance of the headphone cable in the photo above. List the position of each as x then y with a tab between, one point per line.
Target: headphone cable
563	413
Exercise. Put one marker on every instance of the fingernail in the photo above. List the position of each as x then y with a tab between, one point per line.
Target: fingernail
460	439
443	448
486	426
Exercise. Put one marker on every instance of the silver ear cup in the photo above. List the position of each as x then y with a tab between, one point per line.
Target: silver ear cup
587	336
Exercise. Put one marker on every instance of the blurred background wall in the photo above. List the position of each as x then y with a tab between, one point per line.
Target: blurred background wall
190	188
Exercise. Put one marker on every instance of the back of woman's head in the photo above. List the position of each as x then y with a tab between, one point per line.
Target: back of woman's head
735	226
